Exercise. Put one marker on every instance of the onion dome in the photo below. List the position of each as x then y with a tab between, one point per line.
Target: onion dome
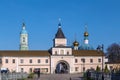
86	47
23	32
23	29
86	34
75	43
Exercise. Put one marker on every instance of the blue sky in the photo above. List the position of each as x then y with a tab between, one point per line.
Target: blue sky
41	19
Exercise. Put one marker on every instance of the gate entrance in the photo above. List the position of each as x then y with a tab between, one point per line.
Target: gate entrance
62	67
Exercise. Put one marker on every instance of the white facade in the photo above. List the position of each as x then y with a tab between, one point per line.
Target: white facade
60	42
19	64
48	65
59	59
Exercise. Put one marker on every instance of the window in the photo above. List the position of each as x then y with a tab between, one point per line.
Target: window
46	60
76	60
55	52
83	60
6	60
39	61
13	61
30	61
30	69
83	69
21	61
62	52
91	68
23	39
22	70
99	60
46	69
76	68
91	60
67	52
0	61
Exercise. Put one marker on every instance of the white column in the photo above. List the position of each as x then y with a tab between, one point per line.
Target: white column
52	65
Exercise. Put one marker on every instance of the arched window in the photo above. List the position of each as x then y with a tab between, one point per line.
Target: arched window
23	39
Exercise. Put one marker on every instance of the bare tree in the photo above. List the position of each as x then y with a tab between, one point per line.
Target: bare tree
113	52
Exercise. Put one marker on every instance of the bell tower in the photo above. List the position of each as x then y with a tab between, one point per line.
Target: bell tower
23	38
61	52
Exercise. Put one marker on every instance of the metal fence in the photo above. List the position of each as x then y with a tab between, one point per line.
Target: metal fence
13	76
99	75
106	76
115	76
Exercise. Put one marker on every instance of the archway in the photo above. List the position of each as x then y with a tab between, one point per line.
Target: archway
62	67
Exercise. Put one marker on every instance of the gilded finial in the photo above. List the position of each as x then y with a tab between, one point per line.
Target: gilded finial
86	33
75	43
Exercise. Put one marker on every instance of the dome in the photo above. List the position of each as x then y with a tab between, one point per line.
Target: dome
86	34
75	43
24	32
23	29
86	47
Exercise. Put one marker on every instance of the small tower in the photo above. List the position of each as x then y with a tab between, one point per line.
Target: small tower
23	38
75	44
60	46
59	39
86	45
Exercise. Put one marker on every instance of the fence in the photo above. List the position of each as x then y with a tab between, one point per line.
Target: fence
13	76
106	76
115	76
99	75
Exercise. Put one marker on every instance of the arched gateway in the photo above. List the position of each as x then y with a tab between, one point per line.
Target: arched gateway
62	67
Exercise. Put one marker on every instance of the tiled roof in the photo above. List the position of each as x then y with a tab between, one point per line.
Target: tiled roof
87	53
24	53
59	34
47	53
